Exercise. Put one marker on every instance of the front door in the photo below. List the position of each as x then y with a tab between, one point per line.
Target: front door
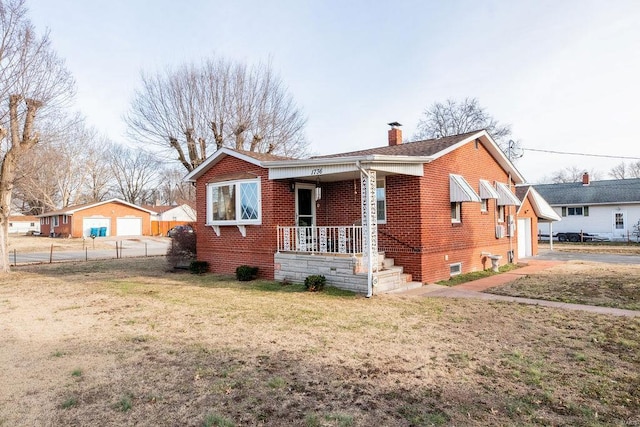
619	224
305	205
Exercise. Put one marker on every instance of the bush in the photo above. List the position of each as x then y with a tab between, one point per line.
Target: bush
244	273
198	267
182	250
315	283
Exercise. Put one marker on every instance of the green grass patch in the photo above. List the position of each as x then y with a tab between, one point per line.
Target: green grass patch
475	275
69	403
215	420
76	372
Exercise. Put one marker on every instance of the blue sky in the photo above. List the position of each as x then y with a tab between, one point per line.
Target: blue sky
564	74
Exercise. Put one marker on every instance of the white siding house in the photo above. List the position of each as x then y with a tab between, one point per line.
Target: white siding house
608	209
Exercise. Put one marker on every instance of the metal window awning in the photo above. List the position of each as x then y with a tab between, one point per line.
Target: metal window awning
505	196
460	190
487	191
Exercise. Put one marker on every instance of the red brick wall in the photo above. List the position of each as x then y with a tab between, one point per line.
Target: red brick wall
226	252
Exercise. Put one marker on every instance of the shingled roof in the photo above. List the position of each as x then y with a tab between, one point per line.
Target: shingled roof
427	147
596	192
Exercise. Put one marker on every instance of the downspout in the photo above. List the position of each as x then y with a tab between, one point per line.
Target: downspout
511	255
369	246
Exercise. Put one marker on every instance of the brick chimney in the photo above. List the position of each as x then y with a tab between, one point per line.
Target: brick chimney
585	178
395	134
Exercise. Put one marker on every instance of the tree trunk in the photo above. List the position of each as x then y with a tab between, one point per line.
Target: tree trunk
18	146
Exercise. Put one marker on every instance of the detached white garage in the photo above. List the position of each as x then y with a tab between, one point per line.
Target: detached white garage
129	226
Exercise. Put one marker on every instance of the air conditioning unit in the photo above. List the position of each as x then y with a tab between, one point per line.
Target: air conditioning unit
511	229
500	231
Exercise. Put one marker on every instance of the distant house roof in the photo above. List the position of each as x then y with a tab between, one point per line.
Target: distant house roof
70	210
596	192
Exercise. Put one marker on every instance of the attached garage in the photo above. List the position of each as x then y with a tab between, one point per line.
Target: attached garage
129	226
90	224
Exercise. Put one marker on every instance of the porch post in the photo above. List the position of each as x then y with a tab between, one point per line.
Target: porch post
369	224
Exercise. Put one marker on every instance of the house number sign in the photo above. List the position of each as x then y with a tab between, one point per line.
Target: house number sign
316	171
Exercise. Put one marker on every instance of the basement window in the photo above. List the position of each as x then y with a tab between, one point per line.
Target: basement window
455	269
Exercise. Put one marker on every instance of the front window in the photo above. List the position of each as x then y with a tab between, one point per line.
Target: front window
381	197
56	221
619	221
455	212
575	211
236	202
65	219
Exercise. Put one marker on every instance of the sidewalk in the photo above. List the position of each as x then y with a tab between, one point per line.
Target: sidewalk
474	289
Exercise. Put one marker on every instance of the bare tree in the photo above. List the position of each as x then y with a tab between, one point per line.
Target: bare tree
455	117
625	170
98	178
32	77
570	174
191	111
135	173
172	188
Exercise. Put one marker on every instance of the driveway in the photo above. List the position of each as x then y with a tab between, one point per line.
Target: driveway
549	255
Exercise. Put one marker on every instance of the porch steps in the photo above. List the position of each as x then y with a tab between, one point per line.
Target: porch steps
392	278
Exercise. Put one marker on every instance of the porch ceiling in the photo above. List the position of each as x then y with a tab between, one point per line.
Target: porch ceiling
340	169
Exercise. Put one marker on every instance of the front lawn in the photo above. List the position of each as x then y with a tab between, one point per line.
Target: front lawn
124	342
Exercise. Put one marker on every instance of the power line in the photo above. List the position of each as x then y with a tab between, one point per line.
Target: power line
582	154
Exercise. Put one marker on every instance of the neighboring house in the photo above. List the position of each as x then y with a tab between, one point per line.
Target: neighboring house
532	213
436	208
608	209
113	217
168	216
24	224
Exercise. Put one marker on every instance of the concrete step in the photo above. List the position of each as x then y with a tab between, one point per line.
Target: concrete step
388	263
407	286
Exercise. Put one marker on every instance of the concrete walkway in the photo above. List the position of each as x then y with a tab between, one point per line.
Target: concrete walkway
474	289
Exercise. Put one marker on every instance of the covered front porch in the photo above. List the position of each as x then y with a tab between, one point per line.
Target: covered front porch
335	234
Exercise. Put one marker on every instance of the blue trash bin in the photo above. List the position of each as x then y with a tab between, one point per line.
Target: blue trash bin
95	232
103	231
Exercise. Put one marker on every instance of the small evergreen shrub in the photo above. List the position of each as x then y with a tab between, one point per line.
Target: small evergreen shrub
198	267
244	273
315	283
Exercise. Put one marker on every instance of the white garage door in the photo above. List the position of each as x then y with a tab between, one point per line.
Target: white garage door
129	226
524	237
93	225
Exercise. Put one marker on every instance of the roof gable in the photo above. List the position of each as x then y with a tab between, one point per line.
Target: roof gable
248	156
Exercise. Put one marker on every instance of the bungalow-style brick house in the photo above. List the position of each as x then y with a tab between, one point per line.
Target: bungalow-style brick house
112	217
436	208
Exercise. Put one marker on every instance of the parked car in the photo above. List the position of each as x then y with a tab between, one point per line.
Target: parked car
179	229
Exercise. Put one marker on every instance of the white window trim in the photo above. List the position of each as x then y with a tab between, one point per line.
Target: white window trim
238	209
65	219
458	218
484	205
56	221
384	185
501	214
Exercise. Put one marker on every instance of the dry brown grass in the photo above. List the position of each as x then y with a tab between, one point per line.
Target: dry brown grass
23	243
581	282
123	342
621	248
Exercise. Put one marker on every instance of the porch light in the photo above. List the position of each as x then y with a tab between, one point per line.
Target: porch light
292	186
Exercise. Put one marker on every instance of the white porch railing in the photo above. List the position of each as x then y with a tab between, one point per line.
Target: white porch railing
331	240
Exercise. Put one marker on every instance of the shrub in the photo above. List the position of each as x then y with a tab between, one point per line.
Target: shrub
315	283
244	273
182	250
198	267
